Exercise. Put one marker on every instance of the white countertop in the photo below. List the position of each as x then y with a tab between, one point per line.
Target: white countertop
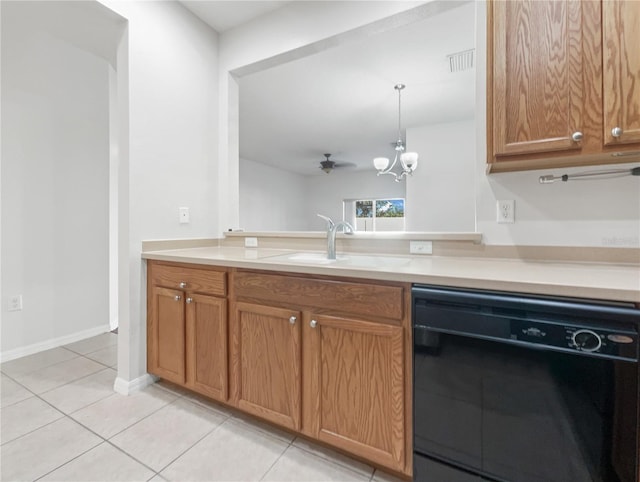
616	282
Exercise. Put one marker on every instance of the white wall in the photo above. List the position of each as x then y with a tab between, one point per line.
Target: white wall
584	213
271	199
575	213
298	29
441	192
55	181
325	194
168	70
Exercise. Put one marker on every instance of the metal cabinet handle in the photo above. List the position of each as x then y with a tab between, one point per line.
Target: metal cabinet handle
182	284
616	131
189	300
577	136
313	323
177	297
292	320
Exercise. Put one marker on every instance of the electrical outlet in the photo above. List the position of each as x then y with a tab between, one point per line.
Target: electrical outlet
420	247
184	215
15	303
250	242
506	211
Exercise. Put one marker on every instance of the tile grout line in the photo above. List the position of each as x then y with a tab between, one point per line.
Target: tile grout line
64	384
77	355
214	429
103	439
133	458
229	417
64	415
333	461
127	427
69	417
279	457
70	460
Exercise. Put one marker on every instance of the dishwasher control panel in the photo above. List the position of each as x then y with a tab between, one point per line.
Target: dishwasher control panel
604	341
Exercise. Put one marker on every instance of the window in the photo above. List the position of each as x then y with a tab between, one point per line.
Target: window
375	214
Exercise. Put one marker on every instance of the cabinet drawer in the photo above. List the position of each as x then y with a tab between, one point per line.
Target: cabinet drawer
326	295
193	280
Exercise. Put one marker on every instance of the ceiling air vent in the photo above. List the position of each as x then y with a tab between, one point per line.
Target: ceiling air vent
460	61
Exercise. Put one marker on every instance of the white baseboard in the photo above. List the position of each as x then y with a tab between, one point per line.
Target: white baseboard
6	356
124	387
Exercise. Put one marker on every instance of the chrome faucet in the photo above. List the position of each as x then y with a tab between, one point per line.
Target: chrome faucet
332	229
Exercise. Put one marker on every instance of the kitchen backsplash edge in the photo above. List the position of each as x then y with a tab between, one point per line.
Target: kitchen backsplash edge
441	247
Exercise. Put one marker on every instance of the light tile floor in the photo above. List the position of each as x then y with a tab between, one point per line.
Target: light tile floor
62	421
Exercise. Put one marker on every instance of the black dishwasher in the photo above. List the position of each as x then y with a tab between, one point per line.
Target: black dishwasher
523	388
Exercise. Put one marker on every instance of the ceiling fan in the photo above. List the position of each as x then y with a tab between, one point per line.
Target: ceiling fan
328	165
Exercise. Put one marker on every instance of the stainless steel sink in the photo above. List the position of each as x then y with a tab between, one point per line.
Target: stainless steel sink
346	260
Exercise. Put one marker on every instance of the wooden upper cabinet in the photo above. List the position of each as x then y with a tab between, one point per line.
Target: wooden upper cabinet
355	387
562	74
537	76
267	350
621	71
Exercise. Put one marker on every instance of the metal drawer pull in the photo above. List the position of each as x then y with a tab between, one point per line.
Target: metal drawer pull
577	136
292	320
616	131
189	300
313	323
177	297
182	284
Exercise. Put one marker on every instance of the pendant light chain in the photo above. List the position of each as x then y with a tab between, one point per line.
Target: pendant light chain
399	87
400	142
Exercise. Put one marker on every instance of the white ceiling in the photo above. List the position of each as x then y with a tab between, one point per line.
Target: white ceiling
224	15
88	25
341	100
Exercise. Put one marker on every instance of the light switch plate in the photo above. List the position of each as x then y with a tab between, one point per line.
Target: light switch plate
184	215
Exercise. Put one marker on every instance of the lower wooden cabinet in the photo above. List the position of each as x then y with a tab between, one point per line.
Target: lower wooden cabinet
206	345
268	361
187	324
336	351
166	334
355	376
324	357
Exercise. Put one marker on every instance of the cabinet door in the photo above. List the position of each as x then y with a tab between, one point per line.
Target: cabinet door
537	76
166	334
356	387
621	70
206	337
268	350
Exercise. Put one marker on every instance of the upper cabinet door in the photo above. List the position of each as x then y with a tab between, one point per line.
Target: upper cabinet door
621	71
537	76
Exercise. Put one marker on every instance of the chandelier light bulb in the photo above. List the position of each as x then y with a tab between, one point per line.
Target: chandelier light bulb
409	160
380	163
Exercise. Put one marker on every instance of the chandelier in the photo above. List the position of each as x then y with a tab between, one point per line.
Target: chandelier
408	160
